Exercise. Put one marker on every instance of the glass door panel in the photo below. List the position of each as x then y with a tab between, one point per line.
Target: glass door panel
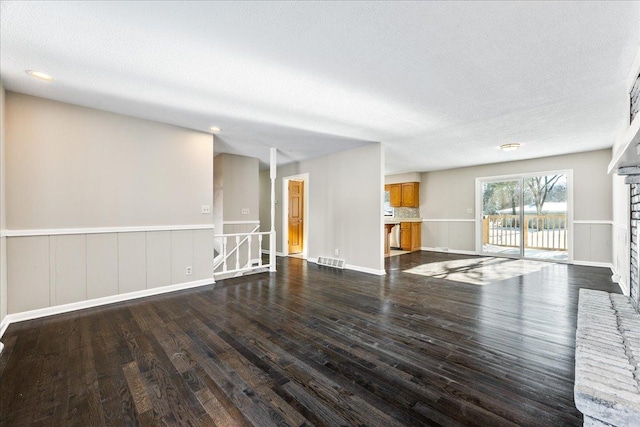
545	217
501	218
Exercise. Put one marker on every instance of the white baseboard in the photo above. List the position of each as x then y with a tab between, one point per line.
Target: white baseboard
624	287
594	264
355	268
449	251
365	270
65	308
4	325
267	252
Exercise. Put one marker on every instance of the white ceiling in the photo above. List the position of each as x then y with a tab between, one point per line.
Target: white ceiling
440	84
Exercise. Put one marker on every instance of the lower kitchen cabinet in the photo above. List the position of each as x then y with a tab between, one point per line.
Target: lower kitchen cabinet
410	236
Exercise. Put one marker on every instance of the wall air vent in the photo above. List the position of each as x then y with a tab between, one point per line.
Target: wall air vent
331	262
634	99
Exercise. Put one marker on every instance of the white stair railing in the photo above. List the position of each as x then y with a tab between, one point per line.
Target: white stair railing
234	257
222	258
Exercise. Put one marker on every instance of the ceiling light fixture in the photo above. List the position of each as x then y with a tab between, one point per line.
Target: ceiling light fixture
40	75
215	129
510	147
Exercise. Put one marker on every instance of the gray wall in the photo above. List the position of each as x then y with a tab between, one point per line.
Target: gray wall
75	178
446	195
345	205
236	187
3	222
239	184
70	166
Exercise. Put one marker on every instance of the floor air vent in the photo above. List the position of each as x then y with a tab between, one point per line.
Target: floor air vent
330	262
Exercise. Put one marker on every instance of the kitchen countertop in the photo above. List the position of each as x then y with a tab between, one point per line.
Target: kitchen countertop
399	220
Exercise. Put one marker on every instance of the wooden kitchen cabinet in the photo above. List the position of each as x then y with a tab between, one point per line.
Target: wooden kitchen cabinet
411	194
410	236
404	195
416	236
395	194
405	236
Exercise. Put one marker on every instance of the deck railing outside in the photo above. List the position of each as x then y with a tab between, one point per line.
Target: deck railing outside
546	232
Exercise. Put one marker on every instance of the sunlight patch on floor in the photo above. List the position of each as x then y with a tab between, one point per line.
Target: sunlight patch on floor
478	271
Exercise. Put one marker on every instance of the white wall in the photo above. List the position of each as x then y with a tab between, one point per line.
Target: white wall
78	180
621	238
3	222
446	195
403	177
345	205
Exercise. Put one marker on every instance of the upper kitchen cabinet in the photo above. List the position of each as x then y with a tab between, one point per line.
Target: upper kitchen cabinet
411	194
395	194
404	195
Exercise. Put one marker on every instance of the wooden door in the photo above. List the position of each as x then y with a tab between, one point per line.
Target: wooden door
296	216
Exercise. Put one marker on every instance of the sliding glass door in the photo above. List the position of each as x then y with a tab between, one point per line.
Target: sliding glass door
525	216
545	216
501	220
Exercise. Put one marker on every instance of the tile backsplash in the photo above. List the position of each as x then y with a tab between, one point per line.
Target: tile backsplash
406	212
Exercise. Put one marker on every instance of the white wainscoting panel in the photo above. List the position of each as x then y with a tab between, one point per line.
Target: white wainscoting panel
203	254
70	268
454	235
158	259
102	265
132	261
592	242
28	273
181	255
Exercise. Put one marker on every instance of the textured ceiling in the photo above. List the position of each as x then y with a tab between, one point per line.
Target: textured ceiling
440	84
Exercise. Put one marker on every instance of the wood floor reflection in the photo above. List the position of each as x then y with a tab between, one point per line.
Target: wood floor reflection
310	346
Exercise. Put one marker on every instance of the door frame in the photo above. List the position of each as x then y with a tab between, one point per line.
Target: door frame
304	177
521	177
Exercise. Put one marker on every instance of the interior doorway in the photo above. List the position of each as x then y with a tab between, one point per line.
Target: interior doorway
295	213
295	217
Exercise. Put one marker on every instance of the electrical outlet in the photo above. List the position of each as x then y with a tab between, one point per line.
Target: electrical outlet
469	210
245	211
189	270
337	252
206	209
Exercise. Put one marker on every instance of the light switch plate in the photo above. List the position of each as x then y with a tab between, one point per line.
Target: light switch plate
469	210
206	209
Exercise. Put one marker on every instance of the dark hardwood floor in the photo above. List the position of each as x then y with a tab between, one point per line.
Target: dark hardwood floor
311	346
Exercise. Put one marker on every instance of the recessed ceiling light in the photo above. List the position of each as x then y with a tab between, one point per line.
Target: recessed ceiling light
510	147
40	75
214	129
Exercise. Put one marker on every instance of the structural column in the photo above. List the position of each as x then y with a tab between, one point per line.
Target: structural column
272	236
